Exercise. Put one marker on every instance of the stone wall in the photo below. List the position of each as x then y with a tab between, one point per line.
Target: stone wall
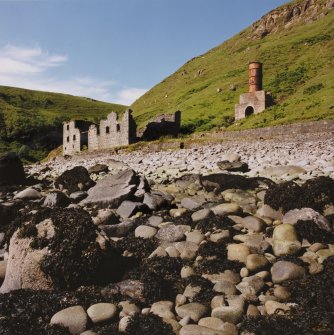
112	133
75	136
162	125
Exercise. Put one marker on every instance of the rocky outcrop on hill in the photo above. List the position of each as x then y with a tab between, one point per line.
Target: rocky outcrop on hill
305	11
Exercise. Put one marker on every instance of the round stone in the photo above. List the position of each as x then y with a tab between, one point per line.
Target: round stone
74	318
285	232
145	231
101	312
194	310
284	270
256	262
237	252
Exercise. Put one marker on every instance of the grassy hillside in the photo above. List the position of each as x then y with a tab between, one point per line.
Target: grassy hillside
298	70
31	121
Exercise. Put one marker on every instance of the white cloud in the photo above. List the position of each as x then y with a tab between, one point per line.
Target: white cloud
28	67
128	95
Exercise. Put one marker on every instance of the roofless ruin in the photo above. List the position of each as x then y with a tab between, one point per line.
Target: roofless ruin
115	132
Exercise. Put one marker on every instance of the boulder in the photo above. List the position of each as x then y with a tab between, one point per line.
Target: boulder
76	179
284	270
11	170
98	168
63	251
28	194
306	214
279	171
23	266
111	191
220	181
233	166
130	208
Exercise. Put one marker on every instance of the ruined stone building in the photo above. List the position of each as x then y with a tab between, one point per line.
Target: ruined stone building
114	132
162	125
256	100
75	136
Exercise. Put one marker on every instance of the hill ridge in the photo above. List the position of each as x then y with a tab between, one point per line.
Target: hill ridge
298	70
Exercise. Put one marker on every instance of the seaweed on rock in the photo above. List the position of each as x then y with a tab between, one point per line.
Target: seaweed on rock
215	259
148	324
75	257
315	193
213	222
310	231
313	314
206	294
161	278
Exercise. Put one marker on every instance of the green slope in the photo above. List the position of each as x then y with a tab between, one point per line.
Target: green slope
31	121
298	70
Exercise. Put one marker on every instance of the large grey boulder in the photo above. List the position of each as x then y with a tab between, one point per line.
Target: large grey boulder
113	190
23	266
65	250
11	170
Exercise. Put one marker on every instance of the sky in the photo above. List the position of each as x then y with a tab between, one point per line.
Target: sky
112	50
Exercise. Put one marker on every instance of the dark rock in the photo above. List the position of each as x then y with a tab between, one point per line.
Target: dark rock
130	208
113	190
233	166
142	188
56	199
221	181
11	170
98	168
156	200
76	179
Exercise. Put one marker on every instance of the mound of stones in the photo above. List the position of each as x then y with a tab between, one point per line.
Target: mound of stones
219	254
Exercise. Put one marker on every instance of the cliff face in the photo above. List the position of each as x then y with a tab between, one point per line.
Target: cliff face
304	11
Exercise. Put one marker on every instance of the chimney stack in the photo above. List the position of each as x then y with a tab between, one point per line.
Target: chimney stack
255	77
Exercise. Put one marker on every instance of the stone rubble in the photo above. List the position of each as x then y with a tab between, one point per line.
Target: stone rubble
179	248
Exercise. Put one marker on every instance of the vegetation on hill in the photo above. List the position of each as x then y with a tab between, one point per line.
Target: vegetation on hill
298	70
294	42
31	121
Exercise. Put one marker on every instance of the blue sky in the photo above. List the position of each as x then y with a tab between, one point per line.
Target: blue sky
112	50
